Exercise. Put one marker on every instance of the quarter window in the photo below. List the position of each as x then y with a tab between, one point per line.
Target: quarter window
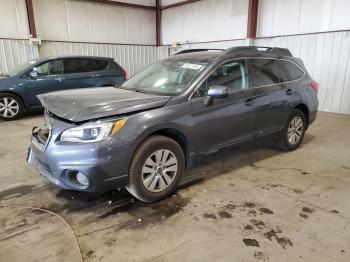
294	71
101	64
267	72
233	75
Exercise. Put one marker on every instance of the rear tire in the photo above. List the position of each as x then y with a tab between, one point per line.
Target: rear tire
11	107
293	132
156	169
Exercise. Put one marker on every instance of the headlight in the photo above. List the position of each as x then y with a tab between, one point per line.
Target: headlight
92	132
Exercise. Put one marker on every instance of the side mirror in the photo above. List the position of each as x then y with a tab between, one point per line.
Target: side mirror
218	91
34	73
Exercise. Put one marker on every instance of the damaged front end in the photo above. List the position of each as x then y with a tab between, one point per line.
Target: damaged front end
72	163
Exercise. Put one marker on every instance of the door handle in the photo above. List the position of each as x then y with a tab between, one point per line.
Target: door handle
289	92
59	79
95	75
249	101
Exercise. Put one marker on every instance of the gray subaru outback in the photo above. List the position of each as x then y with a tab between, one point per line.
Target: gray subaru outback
145	134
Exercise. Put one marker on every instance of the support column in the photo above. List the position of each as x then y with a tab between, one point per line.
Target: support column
252	18
158	23
31	20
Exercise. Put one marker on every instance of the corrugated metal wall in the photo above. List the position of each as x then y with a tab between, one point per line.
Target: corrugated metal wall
15	52
14	22
326	56
302	16
80	21
132	58
87	21
205	20
169	2
138	2
14	49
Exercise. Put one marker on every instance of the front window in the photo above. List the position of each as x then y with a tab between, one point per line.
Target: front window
43	69
54	67
232	75
165	77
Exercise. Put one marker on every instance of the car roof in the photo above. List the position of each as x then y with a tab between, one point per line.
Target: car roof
67	56
203	56
234	52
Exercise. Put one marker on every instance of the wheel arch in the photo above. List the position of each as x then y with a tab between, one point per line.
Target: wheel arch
302	107
16	94
172	133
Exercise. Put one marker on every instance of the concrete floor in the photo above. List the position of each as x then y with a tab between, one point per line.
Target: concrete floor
256	205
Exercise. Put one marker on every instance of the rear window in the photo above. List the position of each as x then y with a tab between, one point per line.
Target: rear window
267	72
78	65
101	64
294	71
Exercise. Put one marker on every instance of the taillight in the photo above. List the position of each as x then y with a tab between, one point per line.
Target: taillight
124	74
315	85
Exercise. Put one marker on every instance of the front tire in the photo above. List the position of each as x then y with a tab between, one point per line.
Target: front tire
156	168
293	132
11	107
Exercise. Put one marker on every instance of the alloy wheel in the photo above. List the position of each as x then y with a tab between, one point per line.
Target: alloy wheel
9	107
159	170
295	130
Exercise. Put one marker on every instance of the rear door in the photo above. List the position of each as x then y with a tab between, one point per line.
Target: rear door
274	95
78	73
224	121
100	73
105	73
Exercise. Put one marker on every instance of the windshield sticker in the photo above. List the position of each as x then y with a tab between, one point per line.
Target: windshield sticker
192	66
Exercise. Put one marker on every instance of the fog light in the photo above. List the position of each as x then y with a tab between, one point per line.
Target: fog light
77	179
82	179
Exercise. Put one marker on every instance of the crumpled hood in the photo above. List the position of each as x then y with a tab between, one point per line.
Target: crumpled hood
91	103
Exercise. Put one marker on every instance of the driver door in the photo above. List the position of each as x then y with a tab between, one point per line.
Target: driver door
43	82
224	121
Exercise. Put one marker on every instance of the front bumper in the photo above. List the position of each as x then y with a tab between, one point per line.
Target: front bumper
105	163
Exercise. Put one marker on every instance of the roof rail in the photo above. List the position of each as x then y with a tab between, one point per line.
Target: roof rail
272	50
197	50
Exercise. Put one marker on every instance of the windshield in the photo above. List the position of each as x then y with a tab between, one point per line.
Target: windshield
165	77
22	67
